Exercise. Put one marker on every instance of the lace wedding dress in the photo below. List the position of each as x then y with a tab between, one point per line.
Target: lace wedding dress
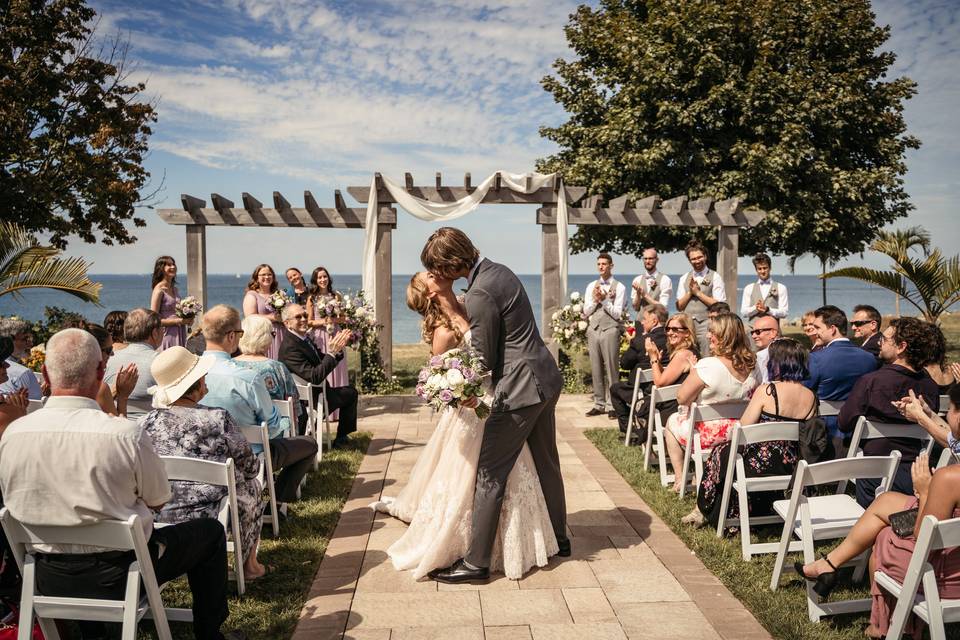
437	502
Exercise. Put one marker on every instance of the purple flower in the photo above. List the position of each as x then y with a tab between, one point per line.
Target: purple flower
424	375
454	363
436	361
469	374
446	396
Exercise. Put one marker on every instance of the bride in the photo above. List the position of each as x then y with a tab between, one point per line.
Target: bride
437	501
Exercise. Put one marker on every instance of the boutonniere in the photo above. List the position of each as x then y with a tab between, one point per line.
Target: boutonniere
774	291
705	283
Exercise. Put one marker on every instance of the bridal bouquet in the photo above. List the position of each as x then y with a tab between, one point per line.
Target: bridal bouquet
357	315
451	378
35	360
188	307
278	300
568	325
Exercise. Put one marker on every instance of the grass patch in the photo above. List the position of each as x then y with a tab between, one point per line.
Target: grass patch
783	612
271	606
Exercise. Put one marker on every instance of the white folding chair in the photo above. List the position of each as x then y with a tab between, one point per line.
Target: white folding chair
928	606
315	413
947	458
287	408
110	534
33	405
258	434
830	407
826	517
220	474
655	428
139	406
730	410
39	377
870	430
643	376
736	479
944	405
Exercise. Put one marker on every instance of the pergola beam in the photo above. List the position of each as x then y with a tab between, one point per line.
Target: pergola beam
254	214
497	195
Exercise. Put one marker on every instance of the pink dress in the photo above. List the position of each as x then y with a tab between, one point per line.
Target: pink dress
173	335
278	328
338	377
892	556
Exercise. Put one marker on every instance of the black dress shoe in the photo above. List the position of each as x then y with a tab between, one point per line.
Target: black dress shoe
612	415
340	443
594	412
459	572
564	551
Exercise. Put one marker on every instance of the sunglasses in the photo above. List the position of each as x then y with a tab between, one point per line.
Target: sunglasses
676	330
756	332
300	316
237	331
860	323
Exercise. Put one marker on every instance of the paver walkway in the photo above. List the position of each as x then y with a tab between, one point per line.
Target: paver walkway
629	577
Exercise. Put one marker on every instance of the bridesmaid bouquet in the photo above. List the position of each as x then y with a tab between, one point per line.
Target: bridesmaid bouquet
35	360
278	300
451	378
188	307
568	325
357	315
331	307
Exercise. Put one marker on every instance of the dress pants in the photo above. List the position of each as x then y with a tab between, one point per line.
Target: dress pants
902	483
621	394
293	457
197	548
604	348
345	399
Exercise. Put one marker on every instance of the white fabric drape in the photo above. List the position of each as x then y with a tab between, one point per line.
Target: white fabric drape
446	211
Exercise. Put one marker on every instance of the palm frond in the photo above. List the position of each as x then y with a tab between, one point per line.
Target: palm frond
888	280
898	242
64	274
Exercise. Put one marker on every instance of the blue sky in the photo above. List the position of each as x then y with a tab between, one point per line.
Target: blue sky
294	95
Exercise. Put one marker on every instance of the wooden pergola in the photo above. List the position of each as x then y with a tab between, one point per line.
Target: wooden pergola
728	215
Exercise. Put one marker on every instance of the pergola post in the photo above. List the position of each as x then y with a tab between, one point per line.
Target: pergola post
197	262
728	241
383	295
550	286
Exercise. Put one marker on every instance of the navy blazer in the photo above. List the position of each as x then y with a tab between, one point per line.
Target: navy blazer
835	368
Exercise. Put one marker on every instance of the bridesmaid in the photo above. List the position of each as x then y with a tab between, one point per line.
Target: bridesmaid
298	289
321	290
164	302
263	283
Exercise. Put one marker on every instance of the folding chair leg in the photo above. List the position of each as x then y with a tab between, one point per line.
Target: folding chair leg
131	602
49	629
862	565
26	599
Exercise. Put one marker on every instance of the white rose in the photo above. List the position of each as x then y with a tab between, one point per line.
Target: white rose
568	332
575	295
582	325
577	308
556	314
454	378
436	381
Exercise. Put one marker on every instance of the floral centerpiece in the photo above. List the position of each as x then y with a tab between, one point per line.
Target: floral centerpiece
188	307
357	315
451	378
278	300
37	357
568	325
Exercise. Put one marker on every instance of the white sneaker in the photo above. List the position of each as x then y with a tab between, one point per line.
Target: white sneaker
695	518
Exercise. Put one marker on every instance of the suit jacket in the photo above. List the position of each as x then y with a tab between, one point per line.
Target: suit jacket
872	344
504	332
635	358
835	368
305	360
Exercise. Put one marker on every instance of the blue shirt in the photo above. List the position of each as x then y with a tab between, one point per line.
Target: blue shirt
19	377
242	393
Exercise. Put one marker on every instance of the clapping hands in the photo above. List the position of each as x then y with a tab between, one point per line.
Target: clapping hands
920	472
339	341
126	380
913	408
651	350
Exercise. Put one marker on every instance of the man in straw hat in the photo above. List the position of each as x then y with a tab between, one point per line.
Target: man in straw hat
106	469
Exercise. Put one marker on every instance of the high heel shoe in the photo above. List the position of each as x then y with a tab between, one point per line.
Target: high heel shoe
824	583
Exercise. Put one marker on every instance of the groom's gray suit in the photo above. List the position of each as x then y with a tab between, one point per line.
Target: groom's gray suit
526	386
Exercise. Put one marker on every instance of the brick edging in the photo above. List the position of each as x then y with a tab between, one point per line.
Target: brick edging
722	610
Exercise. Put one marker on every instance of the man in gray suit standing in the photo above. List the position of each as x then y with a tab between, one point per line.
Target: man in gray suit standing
526	386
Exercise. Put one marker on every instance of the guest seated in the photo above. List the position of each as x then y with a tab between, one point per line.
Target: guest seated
635	360
765	330
13	405
783	399
727	375
18	376
182	427
113	400
904	347
143	334
811	332
113	323
717	308
256	340
303	359
866	326
106	469
936	366
242	393
682	351
938	496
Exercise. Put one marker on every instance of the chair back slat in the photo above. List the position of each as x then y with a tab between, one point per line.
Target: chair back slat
849	469
730	410
285	407
33	405
944	404
662	394
893	430
830	407
767	431
197	470
946	533
256	434
644	376
110	534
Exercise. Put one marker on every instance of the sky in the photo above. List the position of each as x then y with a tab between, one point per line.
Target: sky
292	95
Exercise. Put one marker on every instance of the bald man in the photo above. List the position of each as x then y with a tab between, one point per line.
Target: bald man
765	330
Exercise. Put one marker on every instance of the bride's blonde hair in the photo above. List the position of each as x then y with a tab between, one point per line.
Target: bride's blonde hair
419	300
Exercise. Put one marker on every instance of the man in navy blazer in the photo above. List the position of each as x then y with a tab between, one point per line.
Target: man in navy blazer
835	368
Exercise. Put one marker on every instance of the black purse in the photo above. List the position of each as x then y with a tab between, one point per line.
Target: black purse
903	522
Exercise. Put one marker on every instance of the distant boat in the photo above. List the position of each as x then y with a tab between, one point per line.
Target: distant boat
238	275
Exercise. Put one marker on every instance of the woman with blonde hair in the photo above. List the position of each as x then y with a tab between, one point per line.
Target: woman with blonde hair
437	500
256	301
724	376
258	335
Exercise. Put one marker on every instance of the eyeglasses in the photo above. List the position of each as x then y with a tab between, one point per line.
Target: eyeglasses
860	323
756	332
676	330
885	338
237	331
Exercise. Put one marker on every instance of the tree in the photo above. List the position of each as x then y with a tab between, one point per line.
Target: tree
24	264
930	283
783	104
73	135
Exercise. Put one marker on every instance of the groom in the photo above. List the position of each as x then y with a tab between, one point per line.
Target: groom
526	386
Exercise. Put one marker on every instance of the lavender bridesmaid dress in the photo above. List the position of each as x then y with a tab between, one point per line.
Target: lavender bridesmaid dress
338	377
278	329
173	335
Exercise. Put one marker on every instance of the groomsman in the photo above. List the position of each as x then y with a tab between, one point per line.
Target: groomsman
698	289
651	287
764	297
603	307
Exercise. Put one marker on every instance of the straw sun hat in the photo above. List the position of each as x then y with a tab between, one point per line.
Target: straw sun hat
175	370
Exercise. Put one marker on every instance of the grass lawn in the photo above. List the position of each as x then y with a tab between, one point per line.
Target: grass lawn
782	612
271	605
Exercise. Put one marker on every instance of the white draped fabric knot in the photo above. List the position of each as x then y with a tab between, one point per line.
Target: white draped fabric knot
447	211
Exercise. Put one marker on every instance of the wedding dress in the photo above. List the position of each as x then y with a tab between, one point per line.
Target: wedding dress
437	502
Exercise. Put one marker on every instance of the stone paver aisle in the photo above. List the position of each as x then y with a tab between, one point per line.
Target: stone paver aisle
629	577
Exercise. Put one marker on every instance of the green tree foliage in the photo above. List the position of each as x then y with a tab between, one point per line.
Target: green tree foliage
73	135
783	104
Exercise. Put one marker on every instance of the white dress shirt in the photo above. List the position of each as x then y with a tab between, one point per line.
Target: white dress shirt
783	304
663	282
719	291
614	307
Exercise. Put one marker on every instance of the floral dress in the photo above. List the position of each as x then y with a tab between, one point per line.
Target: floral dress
208	434
773	458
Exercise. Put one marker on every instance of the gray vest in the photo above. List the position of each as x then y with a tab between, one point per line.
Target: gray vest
695	308
600	320
771	301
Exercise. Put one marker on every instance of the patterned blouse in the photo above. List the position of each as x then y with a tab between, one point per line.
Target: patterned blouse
277	378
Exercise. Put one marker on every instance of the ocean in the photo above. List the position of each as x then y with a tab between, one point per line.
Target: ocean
128	291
